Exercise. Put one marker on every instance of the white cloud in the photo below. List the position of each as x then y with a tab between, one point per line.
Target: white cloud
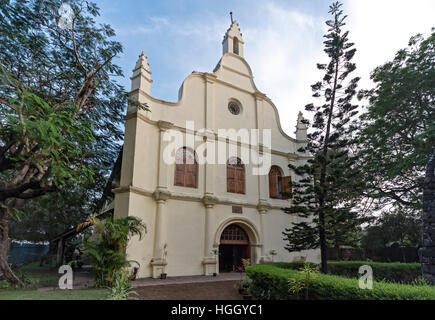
282	50
155	24
380	28
283	45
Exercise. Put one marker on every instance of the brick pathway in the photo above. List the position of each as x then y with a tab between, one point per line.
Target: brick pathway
219	290
220	287
230	276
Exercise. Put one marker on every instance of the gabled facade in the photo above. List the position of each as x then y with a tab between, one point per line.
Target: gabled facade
202	218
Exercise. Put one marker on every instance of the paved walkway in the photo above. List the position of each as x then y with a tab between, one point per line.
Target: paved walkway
231	276
217	290
220	287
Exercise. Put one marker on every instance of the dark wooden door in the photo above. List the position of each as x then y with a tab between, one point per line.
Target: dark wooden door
231	255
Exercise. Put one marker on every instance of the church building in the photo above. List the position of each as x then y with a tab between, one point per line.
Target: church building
203	217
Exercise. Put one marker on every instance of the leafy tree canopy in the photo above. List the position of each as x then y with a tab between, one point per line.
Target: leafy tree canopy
60	106
393	227
398	135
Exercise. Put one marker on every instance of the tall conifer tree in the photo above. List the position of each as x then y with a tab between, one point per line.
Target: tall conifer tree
325	191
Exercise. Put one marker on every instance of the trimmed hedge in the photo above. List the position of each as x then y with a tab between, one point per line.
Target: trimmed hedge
270	281
382	271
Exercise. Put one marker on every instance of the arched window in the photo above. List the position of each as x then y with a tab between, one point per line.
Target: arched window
275	182
235	176
233	234
279	186
186	168
235	45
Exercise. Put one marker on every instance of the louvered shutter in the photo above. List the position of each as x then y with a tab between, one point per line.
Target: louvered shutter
179	174
235	176
230	178
286	188
190	175
186	172
273	184
240	180
195	175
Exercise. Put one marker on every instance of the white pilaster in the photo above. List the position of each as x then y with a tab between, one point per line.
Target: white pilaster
163	172
262	179
263	207
209	262
159	260
209	101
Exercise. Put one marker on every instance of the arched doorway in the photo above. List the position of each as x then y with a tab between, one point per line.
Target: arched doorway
234	246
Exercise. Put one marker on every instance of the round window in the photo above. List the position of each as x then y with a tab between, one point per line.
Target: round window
234	108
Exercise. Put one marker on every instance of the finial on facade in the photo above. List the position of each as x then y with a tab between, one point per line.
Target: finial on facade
141	78
301	127
142	62
233	41
300	116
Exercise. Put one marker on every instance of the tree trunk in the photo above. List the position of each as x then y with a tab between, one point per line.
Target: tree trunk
5	271
60	252
322	238
427	252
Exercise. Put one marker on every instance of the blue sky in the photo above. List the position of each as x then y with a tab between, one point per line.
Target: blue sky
283	40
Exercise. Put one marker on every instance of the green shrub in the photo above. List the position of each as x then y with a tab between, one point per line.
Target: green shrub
295	265
406	273
308	276
106	247
121	287
420	281
270	281
382	271
4	284
243	286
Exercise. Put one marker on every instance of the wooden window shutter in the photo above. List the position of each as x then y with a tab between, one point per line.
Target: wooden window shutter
195	176
235	176
231	172
240	177
238	188
179	174
275	182
273	185
286	188
190	175
230	178
186	174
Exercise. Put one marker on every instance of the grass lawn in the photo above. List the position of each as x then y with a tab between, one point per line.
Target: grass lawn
32	294
46	276
41	276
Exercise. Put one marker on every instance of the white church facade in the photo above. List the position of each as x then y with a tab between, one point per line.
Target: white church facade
204	217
